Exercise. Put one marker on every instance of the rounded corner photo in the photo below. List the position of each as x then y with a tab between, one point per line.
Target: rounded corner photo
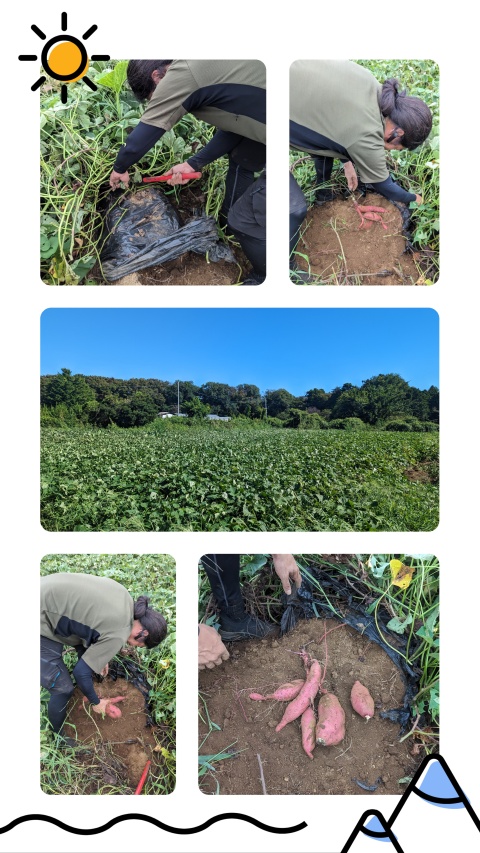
318	673
364	172
154	173
107	674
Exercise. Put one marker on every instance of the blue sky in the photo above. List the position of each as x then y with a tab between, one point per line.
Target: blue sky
293	348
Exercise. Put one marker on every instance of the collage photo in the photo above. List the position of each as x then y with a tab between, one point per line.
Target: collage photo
186	431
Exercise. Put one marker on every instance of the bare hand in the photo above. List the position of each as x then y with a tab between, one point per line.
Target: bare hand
419	199
116	178
109	707
351	176
177	171
287	570
211	650
104	671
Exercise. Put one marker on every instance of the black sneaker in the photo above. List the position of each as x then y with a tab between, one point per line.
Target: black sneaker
65	742
247	628
324	196
302	276
253	279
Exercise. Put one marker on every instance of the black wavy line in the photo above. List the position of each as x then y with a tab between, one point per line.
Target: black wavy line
278	830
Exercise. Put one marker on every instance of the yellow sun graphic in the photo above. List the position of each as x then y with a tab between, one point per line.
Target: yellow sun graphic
64	57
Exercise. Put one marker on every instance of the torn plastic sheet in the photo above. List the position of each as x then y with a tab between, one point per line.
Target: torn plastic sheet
143	229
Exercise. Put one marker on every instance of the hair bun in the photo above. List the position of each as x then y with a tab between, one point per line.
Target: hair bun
141	606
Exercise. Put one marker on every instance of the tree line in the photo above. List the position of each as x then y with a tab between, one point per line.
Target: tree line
383	401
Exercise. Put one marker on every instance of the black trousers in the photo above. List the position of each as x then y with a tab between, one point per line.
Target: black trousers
247	220
223	572
244	161
54	676
298	202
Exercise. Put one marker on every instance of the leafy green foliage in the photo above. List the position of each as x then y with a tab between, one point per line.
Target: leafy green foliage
236	480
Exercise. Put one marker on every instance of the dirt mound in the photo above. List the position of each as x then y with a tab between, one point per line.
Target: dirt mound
340	253
190	269
129	740
371	752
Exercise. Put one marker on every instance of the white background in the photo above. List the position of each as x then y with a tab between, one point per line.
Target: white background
277	36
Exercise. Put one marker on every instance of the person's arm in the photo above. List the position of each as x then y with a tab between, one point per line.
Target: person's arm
142	138
83	675
389	189
287	570
221	143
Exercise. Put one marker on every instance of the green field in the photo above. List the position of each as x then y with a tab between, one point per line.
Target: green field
272	480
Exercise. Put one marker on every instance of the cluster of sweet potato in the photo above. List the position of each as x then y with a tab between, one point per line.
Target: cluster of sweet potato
327	726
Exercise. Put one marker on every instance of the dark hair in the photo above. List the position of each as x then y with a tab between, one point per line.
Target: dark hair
410	114
139	75
151	620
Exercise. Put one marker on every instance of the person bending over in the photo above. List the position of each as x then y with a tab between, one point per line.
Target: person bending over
229	94
96	616
338	110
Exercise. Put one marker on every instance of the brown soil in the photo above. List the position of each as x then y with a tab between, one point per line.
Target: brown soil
129	740
372	256
417	475
189	269
371	750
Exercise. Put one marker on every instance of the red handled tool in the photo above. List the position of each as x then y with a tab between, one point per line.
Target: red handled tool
186	176
142	778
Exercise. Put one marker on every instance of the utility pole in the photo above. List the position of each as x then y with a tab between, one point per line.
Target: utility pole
266	409
178	396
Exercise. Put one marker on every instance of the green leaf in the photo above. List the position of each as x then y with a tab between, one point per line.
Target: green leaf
397	625
116	78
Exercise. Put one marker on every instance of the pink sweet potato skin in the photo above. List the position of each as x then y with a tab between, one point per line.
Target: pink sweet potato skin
330	729
361	701
305	698
285	693
308	723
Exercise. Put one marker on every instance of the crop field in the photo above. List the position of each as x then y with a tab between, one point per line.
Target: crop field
277	480
112	754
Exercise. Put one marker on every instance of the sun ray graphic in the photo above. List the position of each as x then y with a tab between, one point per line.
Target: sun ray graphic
64	57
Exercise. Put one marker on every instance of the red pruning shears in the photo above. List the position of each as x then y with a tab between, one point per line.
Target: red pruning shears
186	176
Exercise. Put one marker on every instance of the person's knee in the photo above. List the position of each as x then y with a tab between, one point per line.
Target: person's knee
298	209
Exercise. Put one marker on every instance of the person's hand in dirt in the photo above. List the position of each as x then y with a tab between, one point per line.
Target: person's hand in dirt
287	570
211	650
109	707
351	175
117	178
177	171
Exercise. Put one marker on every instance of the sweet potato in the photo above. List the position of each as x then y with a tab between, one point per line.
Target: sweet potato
111	710
285	693
330	729
305	698
361	701
308	723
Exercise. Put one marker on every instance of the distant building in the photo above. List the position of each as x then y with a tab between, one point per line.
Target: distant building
217	418
170	415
